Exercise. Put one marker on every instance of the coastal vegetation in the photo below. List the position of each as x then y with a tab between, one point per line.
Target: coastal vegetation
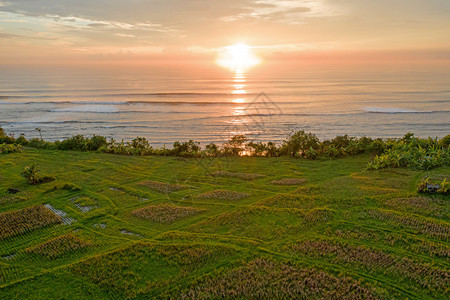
307	219
408	151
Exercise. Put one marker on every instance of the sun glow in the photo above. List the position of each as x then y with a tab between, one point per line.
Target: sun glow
237	58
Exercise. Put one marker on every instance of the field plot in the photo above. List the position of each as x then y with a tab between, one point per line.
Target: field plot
17	222
59	246
164	213
146	227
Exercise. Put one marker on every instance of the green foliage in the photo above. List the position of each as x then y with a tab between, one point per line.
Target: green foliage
409	151
299	142
10	148
186	149
212	150
79	142
31	174
434	186
235	146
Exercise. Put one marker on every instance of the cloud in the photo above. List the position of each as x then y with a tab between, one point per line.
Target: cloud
125	35
286	11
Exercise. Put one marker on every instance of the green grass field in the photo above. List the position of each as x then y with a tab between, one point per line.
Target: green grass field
238	227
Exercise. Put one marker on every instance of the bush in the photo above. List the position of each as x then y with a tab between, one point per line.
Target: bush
79	142
433	186
212	150
445	141
40	144
186	149
31	174
299	142
235	146
409	151
10	148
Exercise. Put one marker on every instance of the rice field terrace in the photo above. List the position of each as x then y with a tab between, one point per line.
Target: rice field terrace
116	226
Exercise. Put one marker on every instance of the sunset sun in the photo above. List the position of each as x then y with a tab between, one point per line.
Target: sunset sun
237	58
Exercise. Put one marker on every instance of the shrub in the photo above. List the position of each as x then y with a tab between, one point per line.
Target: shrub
41	144
409	151
445	141
10	148
262	149
299	142
186	149
79	142
212	150
433	186
235	146
31	174
140	143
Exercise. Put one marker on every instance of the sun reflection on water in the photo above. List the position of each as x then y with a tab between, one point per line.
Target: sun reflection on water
238	112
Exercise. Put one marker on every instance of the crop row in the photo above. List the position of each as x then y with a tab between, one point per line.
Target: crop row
429	248
17	222
59	246
243	176
425	275
434	228
264	279
131	271
420	205
10	148
165	213
289	181
264	222
292	200
162	186
223	195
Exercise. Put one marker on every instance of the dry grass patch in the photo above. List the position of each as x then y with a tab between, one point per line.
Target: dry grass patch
264	279
243	176
422	205
162	186
60	245
289	181
17	222
223	195
431	227
292	201
165	213
424	275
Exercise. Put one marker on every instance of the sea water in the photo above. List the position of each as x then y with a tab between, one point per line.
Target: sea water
167	104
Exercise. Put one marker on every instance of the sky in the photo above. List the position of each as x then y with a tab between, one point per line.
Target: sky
87	31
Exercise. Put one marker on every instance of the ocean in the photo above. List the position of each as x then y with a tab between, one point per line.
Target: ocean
208	104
